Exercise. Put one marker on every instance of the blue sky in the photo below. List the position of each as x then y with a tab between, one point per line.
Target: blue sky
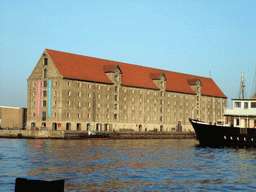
194	37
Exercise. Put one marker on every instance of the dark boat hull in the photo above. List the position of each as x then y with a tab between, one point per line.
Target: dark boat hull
215	135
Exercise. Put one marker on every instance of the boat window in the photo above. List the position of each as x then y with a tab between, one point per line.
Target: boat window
246	105
238	104
253	104
237	121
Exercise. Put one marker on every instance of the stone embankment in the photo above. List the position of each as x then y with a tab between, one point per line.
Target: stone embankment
44	134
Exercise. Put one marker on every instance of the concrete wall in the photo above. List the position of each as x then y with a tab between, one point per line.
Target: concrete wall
13	117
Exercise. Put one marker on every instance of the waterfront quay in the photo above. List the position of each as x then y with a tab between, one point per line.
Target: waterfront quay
45	134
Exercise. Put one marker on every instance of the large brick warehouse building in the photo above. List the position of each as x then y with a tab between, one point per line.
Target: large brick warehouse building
68	91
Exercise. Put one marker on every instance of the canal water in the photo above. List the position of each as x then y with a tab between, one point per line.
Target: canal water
128	165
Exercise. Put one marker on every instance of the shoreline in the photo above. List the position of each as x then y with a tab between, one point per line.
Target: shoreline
44	134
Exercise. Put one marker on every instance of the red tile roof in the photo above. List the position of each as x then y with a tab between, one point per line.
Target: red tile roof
192	81
92	69
155	76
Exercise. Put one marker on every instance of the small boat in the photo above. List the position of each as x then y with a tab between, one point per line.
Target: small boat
94	135
215	135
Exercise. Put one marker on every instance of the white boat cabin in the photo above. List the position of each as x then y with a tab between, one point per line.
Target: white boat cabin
243	113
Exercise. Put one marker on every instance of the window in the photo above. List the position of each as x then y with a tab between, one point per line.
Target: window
79	84
33	125
115	89
79	94
98	95
115	97
238	104
45	83
69	83
44	93
68	114
34	103
78	126
54	126
34	114
253	104
115	106
55	83
68	102
44	103
115	116
68	126
55	93
116	78
78	115
69	93
124	98
246	105
79	104
45	73
44	116
237	121
45	61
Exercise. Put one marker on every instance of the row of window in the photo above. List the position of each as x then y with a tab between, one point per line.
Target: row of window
246	105
45	84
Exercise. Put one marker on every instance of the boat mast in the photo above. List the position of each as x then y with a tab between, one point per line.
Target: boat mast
243	85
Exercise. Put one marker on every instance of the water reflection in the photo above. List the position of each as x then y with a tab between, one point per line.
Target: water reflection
120	165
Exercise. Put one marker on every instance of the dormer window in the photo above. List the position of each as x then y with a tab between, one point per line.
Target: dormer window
45	61
116	78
